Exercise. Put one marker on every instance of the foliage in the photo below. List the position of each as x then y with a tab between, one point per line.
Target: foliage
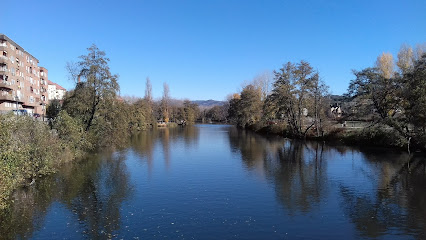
71	131
416	97
246	109
28	149
190	111
371	88
396	98
53	109
298	91
92	98
218	113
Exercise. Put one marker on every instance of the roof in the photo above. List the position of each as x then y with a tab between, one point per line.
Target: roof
4	37
55	84
59	87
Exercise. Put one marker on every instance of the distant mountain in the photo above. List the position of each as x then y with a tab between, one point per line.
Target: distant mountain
208	103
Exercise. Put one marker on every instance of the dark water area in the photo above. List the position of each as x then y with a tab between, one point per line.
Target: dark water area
217	182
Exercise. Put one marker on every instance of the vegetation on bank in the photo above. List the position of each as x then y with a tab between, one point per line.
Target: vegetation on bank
92	116
391	96
28	149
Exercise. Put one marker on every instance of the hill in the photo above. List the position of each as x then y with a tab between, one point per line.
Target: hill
208	103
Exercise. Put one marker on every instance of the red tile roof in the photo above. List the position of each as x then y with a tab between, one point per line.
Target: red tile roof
57	85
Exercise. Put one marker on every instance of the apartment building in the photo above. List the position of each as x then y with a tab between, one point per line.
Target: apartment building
23	84
55	91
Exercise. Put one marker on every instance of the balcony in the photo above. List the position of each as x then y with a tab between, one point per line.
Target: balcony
3	47
5	84
3	59
5	96
28	104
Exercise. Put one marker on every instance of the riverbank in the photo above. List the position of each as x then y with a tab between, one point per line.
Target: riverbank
166	178
32	149
377	136
29	149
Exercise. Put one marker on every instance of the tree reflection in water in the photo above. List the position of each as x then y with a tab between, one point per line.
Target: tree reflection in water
93	190
399	203
295	168
144	144
376	195
298	171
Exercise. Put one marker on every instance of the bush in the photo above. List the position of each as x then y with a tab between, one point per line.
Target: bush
28	149
72	134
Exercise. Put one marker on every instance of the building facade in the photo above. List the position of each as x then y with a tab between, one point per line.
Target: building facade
55	91
23	84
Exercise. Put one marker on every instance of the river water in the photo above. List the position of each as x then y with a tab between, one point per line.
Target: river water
217	182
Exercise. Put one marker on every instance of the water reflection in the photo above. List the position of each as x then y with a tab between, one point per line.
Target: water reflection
144	144
398	204
369	193
296	169
92	191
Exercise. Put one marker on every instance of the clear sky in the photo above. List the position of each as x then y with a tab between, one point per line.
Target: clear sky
205	49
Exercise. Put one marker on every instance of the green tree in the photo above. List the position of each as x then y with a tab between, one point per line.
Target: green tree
246	109
191	111
218	113
416	96
92	98
53	109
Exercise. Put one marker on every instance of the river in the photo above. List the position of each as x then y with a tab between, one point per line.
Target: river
217	182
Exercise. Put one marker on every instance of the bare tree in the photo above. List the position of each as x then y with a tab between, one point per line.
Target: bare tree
165	103
405	58
148	90
263	82
420	49
385	65
297	89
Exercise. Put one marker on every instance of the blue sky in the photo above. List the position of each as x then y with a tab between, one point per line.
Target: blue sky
207	49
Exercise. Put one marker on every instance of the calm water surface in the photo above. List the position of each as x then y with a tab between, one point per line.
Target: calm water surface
216	182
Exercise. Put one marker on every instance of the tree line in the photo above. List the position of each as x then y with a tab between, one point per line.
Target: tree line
296	104
93	114
391	95
297	99
90	117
